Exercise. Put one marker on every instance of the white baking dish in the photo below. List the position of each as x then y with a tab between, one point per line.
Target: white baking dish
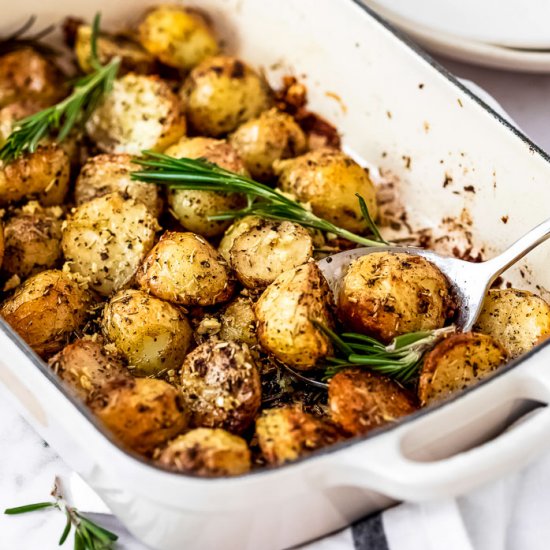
401	112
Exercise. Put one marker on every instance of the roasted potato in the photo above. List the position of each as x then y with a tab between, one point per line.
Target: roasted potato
287	434
240	226
141	112
143	413
88	370
207	453
286	311
518	319
104	174
221	93
360	400
15	111
193	207
185	269
386	294
180	37
43	175
221	386
151	334
272	136
238	322
32	238
457	362
106	239
268	249
329	181
46	309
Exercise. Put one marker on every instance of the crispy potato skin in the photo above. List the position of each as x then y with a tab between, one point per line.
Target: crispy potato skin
285	312
360	400
386	294
240	226
193	207
178	36
185	269
221	93
207	453
459	361
272	136
287	434
43	175
328	180
221	386
267	250
518	319
46	309
143	414
238	322
106	239
140	113
151	334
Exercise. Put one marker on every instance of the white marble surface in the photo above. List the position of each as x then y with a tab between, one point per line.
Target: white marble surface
28	465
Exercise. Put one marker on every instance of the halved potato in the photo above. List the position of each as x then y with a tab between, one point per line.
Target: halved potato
239	226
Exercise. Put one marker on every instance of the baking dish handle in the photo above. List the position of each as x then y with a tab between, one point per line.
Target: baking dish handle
385	464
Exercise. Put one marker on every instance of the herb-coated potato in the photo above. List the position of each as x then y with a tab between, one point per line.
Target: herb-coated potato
285	312
239	226
221	93
151	334
221	386
191	207
104	174
518	319
46	309
185	269
287	434
386	294
272	136
207	453
178	36
32	238
457	362
143	413
360	400
43	175
106	239
141	112
329	180
268	249
238	322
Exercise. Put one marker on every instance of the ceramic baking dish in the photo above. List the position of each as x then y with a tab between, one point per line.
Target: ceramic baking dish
399	110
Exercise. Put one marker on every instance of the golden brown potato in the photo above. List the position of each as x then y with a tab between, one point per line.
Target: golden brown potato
287	434
272	136
207	453
46	309
459	361
185	269
32	238
223	92
221	386
104	174
238	322
151	334
360	400
285	312
180	37
106	239
240	226
43	175
193	207
268	249
16	111
141	112
328	180
386	294
143	413
518	319
87	370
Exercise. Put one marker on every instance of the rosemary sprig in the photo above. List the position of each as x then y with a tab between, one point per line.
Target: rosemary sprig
262	200
19	40
60	119
87	534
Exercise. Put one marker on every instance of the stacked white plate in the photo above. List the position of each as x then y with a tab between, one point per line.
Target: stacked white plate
504	34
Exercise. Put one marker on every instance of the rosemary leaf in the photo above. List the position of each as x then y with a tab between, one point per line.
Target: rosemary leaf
28	508
67	529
